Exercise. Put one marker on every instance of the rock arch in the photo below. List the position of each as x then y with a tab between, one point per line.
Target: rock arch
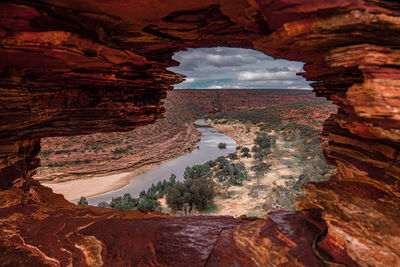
104	62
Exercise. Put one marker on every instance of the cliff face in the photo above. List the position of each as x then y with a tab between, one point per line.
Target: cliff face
78	67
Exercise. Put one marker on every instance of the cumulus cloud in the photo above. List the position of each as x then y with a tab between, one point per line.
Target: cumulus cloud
262	76
231	68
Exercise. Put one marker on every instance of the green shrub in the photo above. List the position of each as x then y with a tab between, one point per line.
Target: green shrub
211	163
246	154
197	172
220	159
45	152
263	141
83	201
196	193
126	202
176	196
118	151
234	173
261	168
149	204
261	155
233	156
222	145
61	151
244	150
172	179
57	164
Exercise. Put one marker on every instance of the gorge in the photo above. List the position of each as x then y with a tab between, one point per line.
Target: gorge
206	150
80	67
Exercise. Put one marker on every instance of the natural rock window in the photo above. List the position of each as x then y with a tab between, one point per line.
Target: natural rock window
80	67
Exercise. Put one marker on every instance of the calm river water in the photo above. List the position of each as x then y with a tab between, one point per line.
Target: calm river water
208	150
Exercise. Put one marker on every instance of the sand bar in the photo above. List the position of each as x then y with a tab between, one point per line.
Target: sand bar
96	185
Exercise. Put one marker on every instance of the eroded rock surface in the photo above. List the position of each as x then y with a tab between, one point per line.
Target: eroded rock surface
87	235
77	67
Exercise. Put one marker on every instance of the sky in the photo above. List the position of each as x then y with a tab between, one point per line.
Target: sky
236	68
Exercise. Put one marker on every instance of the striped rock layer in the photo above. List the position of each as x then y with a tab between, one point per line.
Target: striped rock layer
77	67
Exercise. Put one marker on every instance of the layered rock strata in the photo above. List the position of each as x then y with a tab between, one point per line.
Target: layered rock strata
63	158
77	67
92	236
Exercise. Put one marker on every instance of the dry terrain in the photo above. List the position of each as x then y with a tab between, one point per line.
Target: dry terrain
294	158
106	161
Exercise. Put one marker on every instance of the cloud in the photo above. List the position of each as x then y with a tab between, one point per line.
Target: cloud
223	67
262	76
190	80
226	60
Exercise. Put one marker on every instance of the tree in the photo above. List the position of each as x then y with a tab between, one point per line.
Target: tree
222	162
197	171
149	204
232	156
83	201
172	179
176	196
202	193
211	163
126	202
196	192
245	152
222	145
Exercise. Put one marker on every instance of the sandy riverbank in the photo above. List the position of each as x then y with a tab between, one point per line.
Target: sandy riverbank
92	186
249	198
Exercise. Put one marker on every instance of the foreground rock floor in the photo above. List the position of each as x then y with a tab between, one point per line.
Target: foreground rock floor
35	233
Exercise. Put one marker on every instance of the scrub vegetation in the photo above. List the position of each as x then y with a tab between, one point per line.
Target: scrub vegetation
147	200
282	152
279	151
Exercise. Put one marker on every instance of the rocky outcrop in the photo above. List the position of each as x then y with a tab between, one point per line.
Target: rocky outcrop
95	237
78	67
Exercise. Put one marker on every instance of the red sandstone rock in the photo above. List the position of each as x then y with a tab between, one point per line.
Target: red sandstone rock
47	234
104	63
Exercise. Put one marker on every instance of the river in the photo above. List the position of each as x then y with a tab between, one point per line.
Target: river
208	150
